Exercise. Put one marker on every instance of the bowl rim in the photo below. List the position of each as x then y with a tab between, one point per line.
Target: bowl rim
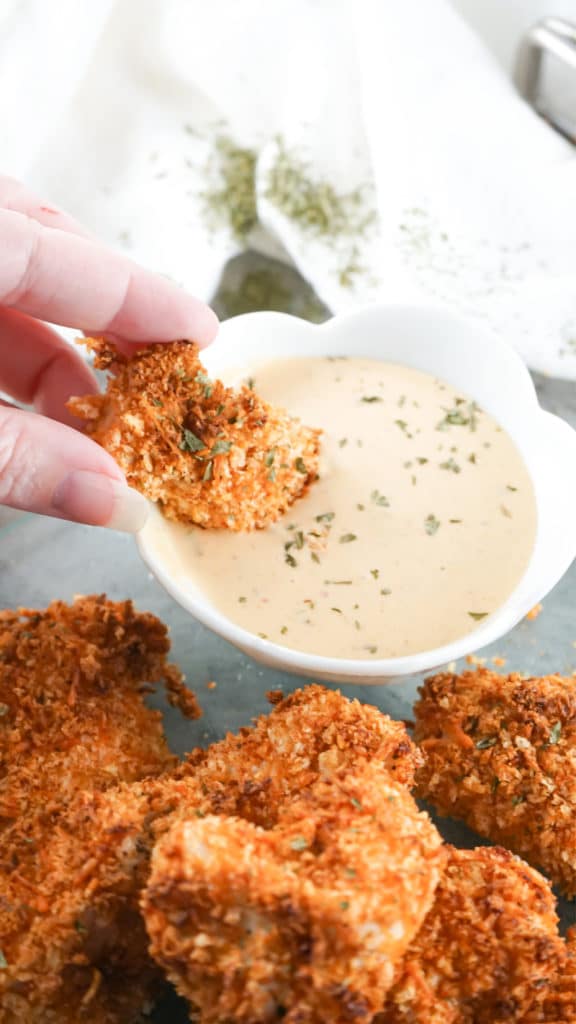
500	622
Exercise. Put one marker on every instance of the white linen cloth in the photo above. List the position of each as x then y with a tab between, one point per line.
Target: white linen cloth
107	107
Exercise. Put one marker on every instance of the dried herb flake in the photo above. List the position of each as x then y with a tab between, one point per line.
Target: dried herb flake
299	843
190	442
379	499
451	465
555	733
431	525
486	742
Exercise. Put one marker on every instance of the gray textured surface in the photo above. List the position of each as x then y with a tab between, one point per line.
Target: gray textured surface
42	559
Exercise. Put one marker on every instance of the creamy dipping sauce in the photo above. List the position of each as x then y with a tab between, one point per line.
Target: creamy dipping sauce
421	524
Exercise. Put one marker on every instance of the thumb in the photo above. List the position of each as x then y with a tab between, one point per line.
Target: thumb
49	468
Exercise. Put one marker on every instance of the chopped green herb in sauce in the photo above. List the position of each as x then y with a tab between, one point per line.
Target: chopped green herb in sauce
463	414
379	499
450	465
431	525
403	426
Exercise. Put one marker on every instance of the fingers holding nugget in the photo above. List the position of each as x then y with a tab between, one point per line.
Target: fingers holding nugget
210	455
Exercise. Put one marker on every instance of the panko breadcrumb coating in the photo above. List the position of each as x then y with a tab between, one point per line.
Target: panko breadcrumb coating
75	914
313	731
303	922
71	710
501	755
210	455
557	1005
73	944
488	945
73	723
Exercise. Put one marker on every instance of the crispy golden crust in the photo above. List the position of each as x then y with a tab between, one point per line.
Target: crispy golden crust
215	456
73	723
303	922
72	714
74	900
489	943
72	938
313	731
557	1005
501	755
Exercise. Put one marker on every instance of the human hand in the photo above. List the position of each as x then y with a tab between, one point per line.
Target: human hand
51	269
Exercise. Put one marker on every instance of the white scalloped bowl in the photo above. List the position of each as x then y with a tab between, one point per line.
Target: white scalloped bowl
484	367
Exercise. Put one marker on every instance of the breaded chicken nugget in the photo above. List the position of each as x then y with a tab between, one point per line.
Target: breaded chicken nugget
557	1005
73	722
73	946
501	755
488	945
70	931
304	922
210	455
313	731
71	710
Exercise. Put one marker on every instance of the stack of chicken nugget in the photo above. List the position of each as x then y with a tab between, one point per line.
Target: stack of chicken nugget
282	874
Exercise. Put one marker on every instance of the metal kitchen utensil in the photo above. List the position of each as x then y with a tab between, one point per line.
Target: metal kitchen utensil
551	37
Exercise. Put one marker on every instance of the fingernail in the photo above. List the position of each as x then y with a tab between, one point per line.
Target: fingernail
97	500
